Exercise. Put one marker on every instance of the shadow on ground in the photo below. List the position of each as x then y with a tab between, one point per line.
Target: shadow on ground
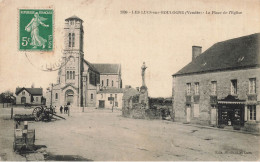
65	157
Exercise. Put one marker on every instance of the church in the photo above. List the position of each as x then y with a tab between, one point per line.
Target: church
79	80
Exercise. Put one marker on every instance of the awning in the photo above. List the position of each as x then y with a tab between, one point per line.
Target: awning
230	102
251	103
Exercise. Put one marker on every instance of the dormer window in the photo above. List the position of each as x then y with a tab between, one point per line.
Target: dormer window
240	59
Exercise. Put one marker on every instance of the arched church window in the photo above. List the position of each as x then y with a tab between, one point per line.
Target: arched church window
69	39
73	74
102	83
107	82
112	83
92	96
56	96
73	39
70	74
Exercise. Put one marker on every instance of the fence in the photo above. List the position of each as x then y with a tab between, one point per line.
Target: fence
6	105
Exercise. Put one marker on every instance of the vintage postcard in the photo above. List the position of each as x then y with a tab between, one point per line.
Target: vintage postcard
129	80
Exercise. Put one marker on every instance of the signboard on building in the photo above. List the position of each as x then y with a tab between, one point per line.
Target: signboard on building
110	98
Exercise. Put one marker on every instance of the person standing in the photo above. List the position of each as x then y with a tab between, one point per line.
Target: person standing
61	108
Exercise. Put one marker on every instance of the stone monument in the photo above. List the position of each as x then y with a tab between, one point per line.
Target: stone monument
143	99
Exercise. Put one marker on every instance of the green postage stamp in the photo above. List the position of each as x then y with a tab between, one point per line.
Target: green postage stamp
35	29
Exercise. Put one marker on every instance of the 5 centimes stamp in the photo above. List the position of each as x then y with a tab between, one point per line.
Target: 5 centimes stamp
35	29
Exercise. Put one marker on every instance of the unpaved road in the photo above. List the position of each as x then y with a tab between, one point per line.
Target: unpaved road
103	135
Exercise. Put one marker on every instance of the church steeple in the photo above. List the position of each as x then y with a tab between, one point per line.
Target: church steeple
73	34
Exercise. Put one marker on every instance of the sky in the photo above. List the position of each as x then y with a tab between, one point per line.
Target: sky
163	41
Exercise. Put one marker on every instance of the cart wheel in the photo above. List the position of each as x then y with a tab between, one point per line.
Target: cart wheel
38	113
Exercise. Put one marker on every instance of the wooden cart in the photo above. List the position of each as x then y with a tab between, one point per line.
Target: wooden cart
24	138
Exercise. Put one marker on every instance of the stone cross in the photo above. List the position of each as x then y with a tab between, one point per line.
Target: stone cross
143	73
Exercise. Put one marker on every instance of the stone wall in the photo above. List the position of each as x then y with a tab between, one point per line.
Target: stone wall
159	108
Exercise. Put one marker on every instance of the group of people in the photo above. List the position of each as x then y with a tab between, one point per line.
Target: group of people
66	109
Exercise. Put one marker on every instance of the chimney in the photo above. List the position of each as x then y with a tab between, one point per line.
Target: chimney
196	51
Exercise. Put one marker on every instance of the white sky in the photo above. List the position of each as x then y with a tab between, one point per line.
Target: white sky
162	41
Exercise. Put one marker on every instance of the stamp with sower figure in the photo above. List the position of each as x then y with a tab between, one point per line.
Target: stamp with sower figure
35	29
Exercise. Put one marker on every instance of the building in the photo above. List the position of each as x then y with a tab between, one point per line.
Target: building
79	80
110	75
221	85
29	95
108	98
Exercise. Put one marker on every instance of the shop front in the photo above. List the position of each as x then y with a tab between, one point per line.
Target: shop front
231	111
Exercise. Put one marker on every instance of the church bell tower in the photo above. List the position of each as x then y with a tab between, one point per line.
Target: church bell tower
73	56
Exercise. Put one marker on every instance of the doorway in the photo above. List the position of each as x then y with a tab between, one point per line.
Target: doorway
23	100
69	97
101	104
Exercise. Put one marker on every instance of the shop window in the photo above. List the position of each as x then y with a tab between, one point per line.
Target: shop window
252	85
233	87
252	112
197	85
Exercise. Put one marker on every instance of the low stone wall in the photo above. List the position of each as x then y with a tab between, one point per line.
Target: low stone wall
252	127
159	108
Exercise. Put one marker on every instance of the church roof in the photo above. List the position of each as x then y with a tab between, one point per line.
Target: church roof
238	53
108	68
93	68
74	17
32	91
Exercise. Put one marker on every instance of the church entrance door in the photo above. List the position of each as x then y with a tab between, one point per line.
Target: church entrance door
69	97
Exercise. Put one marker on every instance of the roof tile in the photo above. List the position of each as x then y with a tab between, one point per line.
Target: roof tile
238	53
